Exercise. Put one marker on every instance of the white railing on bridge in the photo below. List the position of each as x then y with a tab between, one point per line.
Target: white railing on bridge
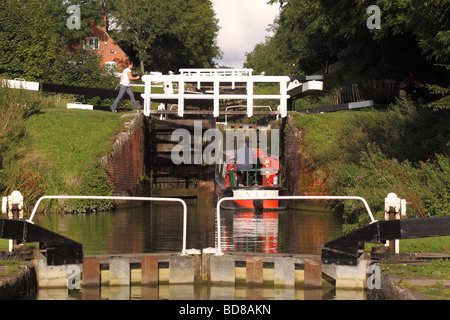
218	250
217	72
215	95
184	252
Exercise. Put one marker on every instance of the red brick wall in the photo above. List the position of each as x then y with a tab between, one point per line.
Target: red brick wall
299	179
126	166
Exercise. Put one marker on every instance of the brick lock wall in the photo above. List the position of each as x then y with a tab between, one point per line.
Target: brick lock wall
292	160
299	180
126	166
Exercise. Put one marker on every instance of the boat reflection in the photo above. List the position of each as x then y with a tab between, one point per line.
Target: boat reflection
292	231
252	232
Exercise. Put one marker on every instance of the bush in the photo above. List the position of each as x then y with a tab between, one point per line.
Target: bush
372	153
426	188
82	69
94	182
15	107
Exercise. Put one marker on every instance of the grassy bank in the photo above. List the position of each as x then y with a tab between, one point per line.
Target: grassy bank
428	278
7	267
403	148
48	149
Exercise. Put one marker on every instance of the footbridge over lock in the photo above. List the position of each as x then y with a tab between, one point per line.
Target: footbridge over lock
206	88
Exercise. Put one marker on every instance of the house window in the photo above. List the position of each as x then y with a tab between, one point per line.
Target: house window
91	43
111	66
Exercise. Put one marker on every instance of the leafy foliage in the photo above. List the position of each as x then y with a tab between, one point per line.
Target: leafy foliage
28	44
82	69
94	182
167	35
414	36
370	153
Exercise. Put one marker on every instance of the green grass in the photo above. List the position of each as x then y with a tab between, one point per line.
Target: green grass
439	269
51	149
433	244
436	271
13	266
71	140
4	244
323	132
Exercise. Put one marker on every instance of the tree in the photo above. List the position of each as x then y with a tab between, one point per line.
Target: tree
167	34
265	57
414	36
89	9
33	34
28	44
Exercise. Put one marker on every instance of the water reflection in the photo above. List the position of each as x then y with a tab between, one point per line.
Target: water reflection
159	228
196	292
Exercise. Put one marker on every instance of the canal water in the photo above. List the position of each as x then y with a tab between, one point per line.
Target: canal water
157	228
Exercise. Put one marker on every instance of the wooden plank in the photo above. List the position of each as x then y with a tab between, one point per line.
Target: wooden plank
133	257
339	107
313	273
150	271
91	272
254	269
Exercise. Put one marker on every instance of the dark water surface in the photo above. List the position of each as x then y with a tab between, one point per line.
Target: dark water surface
159	228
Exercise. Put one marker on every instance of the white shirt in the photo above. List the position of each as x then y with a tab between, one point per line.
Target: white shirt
124	79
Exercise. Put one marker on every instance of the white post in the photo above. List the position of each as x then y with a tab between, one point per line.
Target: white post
283	100
250	98
392	205
216	98
147	98
181	98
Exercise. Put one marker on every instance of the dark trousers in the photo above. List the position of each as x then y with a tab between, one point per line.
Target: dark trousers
122	90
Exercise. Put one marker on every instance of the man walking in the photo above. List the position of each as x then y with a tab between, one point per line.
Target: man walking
124	86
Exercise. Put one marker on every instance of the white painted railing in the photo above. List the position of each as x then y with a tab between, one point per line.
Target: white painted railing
19	83
122	199
219	239
216	96
216	72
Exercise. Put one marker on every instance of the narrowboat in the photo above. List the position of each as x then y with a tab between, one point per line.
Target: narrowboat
262	181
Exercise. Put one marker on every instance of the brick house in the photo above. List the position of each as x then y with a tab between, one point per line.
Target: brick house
102	43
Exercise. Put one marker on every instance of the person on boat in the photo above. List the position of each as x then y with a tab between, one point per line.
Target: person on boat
245	160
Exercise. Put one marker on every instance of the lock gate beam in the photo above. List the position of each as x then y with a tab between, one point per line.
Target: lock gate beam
58	249
345	249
